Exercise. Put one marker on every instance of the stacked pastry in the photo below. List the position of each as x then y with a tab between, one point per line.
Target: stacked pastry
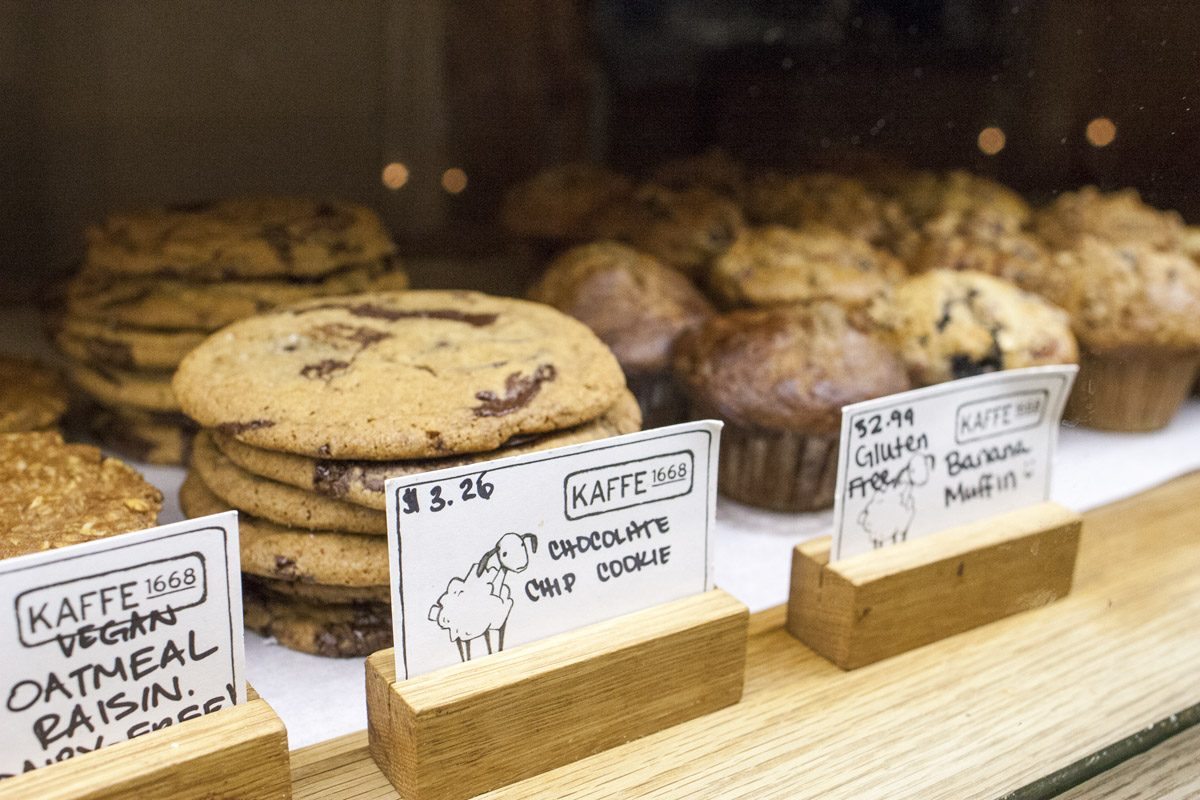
307	410
33	396
156	282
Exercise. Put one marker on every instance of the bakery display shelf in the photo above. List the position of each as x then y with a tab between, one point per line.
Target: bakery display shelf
1025	707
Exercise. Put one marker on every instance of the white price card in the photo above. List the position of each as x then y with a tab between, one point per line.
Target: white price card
112	639
918	462
492	555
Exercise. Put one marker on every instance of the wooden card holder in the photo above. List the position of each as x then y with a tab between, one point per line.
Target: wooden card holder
477	726
875	605
237	753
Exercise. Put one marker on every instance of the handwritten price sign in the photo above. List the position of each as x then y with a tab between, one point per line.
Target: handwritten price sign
484	559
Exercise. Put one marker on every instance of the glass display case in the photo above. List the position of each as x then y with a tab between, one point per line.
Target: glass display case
490	138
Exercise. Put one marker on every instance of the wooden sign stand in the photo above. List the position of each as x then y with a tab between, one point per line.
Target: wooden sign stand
875	605
237	753
466	729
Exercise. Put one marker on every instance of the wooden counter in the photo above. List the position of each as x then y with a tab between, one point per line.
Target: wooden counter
1025	707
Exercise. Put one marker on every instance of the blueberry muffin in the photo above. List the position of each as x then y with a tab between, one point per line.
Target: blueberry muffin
685	230
1136	311
1112	217
776	266
948	324
637	307
779	378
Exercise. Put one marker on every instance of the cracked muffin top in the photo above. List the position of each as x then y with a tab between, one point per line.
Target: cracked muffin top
1113	217
775	266
790	368
395	375
633	303
1127	295
948	324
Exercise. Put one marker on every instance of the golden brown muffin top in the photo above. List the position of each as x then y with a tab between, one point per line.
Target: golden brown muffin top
775	266
714	169
685	230
930	194
632	302
824	198
557	202
949	324
1127	295
54	494
970	242
1113	217
787	368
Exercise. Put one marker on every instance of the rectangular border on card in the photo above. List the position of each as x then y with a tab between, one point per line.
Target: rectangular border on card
609	444
691	484
1041	416
238	681
885	403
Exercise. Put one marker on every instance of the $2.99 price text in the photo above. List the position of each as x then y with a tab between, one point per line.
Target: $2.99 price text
437	498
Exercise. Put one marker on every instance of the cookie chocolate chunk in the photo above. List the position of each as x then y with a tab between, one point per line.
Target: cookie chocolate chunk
54	494
398	375
292	554
279	502
333	630
362	482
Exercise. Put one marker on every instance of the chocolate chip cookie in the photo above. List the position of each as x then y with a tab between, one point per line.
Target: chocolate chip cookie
239	237
279	502
123	346
292	554
398	375
173	304
333	630
362	482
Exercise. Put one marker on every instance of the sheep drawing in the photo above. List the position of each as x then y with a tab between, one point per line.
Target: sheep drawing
479	602
889	513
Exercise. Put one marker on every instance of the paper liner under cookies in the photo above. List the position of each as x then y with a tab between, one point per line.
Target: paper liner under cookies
778	470
1131	391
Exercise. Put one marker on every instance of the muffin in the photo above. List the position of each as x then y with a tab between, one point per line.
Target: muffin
637	307
776	266
947	324
823	198
714	169
685	230
929	195
968	242
1136	311
779	378
551	210
1112	217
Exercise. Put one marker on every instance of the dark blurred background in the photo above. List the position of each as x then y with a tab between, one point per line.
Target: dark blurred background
110	103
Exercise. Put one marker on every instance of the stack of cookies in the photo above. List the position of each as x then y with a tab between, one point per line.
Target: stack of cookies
156	282
307	410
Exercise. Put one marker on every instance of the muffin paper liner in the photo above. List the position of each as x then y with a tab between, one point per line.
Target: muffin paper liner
1133	390
778	470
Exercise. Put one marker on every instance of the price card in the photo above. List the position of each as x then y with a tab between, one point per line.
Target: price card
489	556
111	639
922	461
